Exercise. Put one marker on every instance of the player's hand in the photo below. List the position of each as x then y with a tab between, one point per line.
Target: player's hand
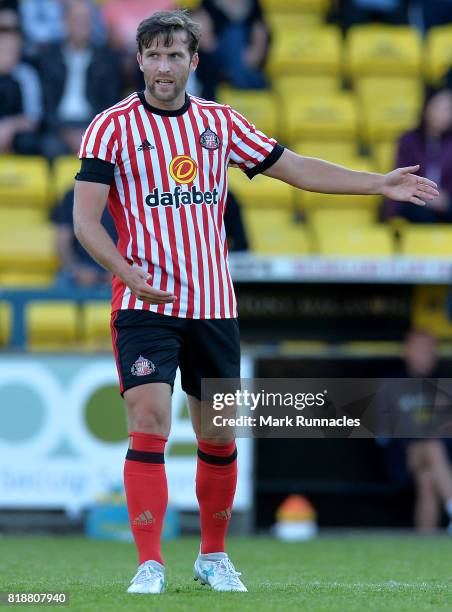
403	186
138	279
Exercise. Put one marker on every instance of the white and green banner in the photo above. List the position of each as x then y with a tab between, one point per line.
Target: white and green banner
63	435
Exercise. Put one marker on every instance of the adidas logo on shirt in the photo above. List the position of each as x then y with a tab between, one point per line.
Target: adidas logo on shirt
143	519
145	146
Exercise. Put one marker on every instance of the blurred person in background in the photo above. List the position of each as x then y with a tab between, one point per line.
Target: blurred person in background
42	22
426	462
430	143
79	80
20	92
234	226
234	45
434	13
76	265
352	12
11	5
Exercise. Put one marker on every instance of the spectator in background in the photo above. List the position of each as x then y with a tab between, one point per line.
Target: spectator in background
352	12
43	23
10	5
233	225
79	79
430	144
76	265
233	46
427	462
435	13
20	92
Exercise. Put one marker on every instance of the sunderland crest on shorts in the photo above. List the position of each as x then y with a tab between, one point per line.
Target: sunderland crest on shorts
209	140
142	367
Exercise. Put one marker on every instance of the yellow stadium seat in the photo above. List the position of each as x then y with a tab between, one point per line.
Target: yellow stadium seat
427	240
386	118
438	53
319	117
371	88
307	200
26	280
273	232
28	248
287	86
261	191
333	152
327	220
282	23
316	50
259	107
16	217
51	325
430	310
372	348
5	323
370	241
295	6
191	5
382	50
384	155
95	330
64	170
24	181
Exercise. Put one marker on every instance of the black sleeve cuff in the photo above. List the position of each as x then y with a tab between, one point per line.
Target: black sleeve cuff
266	163
96	170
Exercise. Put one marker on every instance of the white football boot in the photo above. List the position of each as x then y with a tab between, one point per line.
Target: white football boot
150	578
216	570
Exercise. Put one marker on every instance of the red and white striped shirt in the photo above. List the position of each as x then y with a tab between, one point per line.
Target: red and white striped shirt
168	195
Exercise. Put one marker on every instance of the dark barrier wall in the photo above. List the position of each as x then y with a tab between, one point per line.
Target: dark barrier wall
346	480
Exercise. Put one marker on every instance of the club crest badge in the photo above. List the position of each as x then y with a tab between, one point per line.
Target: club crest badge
209	140
142	367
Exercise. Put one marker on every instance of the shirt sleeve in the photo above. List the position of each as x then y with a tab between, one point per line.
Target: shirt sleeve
100	139
251	150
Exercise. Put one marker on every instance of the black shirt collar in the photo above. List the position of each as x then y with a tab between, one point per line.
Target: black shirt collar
160	111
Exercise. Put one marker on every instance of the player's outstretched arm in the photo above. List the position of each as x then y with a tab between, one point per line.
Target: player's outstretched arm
89	203
314	174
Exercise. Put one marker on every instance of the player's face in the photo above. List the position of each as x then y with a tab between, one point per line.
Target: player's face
166	71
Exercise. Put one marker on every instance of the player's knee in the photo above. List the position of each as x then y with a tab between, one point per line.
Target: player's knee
148	418
148	413
147	422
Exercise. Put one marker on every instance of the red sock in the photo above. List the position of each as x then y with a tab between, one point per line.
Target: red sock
216	481
146	492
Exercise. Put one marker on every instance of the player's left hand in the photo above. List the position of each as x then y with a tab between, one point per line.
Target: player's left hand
403	186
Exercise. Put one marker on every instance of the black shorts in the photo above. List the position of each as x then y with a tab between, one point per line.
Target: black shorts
149	347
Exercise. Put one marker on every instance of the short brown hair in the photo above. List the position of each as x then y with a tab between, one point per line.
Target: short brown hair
165	23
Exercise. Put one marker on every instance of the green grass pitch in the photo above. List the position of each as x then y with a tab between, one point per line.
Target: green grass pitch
326	574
